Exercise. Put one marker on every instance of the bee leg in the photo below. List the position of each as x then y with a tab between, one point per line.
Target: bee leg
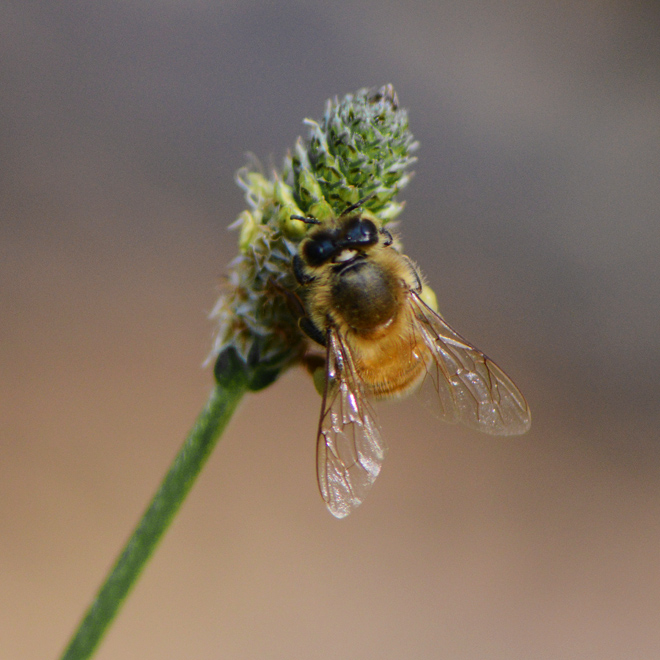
313	361
293	302
315	365
388	237
413	270
299	273
306	325
297	308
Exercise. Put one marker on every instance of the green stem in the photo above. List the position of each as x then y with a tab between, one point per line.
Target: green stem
157	518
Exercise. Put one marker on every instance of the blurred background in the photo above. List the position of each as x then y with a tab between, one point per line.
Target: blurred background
535	216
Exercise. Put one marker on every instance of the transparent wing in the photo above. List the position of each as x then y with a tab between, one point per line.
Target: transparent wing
349	449
471	388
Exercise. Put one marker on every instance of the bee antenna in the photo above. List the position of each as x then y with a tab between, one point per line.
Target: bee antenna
357	204
308	221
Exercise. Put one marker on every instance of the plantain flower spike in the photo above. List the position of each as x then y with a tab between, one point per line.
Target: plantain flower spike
362	147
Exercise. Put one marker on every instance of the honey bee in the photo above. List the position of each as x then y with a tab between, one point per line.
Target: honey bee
364	302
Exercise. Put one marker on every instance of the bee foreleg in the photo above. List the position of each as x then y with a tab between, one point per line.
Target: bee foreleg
293	302
299	273
306	325
388	237
297	308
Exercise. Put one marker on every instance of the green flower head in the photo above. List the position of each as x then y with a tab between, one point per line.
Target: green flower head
361	148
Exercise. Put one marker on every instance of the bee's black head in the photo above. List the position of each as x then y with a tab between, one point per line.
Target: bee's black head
354	233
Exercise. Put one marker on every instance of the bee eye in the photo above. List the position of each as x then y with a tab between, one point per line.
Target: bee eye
319	249
359	231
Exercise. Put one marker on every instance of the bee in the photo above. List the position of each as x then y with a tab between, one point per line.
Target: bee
365	303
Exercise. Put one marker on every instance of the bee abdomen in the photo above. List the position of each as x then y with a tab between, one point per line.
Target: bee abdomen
390	369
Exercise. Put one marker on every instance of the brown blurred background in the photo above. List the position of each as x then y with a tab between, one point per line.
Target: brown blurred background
534	215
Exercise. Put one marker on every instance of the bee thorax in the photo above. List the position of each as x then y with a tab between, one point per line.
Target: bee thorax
366	296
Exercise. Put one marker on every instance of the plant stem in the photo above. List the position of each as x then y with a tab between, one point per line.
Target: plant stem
158	516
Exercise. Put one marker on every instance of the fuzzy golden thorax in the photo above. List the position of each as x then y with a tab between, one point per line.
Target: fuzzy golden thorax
356	281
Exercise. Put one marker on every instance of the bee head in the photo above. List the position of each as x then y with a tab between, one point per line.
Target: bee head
352	235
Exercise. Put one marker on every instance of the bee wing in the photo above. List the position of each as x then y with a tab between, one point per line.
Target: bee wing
349	449
471	388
